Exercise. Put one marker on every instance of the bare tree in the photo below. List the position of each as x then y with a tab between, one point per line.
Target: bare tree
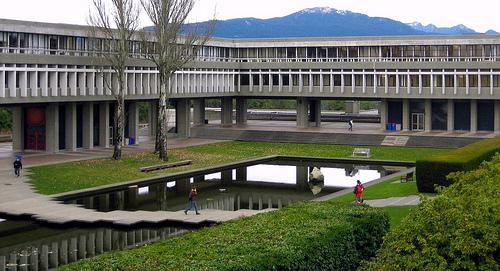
114	27
171	51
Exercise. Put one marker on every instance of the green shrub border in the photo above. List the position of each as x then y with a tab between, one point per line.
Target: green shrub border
433	171
303	236
457	230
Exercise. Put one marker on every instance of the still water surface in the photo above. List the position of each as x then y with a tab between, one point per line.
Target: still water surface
269	185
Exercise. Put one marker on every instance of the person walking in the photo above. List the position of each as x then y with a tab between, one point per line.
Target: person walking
358	190
18	165
192	200
351	123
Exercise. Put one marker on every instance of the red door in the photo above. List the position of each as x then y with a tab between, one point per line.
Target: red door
35	128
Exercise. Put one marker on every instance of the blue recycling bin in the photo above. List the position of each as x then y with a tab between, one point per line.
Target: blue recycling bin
388	126
393	126
131	141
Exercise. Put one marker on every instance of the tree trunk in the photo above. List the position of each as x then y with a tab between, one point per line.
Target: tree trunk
162	122
157	134
119	128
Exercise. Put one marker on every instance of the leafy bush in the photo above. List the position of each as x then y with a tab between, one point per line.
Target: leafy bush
433	171
303	236
459	230
5	119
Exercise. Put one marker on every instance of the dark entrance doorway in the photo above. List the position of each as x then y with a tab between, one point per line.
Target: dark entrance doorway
34	128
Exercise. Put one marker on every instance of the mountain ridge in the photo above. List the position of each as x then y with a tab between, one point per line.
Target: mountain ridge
326	22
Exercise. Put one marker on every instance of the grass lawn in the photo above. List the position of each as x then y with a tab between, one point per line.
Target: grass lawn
387	189
91	173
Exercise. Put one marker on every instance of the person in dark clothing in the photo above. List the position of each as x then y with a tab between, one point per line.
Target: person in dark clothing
192	200
350	123
17	167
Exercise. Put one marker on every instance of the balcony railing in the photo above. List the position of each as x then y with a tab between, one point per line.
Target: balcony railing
203	58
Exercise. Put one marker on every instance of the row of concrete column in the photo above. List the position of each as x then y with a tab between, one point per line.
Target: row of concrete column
52	125
450	115
309	113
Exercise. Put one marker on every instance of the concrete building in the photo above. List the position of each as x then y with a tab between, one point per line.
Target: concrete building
61	100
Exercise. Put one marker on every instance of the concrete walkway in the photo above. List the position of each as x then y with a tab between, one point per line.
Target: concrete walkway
396	201
18	199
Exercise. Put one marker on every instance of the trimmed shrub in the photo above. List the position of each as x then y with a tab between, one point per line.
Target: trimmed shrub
303	236
458	230
433	171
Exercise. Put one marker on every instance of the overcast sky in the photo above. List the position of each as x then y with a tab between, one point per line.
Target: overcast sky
480	15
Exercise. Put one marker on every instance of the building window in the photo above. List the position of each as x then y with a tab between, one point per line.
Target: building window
295	80
316	80
358	80
414	80
473	80
347	80
403	80
380	80
337	80
305	80
426	80
369	80
485	80
438	80
496	80
326	80
449	81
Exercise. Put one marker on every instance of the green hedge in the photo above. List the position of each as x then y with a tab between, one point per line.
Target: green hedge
458	230
433	171
303	236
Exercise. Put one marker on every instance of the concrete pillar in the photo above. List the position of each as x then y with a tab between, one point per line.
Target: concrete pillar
153	118
227	111
497	116
301	178
428	115
352	107
52	128
315	108
241	174
198	112
302	113
133	121
104	134
383	113
183	118
70	138
88	125
451	116
473	115
227	176
17	128
406	115
241	111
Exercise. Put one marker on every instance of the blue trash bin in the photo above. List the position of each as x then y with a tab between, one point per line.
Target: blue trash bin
131	141
388	126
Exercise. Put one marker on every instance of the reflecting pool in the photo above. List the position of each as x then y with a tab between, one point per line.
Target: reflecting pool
27	245
273	184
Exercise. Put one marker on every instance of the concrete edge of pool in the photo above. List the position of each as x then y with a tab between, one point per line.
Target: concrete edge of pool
52	210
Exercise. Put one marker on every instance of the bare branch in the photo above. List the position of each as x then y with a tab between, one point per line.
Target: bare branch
111	30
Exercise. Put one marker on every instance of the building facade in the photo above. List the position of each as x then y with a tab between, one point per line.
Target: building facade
62	99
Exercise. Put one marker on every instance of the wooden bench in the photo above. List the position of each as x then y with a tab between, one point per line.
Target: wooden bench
361	152
165	166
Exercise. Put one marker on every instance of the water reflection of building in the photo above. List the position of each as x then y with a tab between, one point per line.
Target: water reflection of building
34	248
234	189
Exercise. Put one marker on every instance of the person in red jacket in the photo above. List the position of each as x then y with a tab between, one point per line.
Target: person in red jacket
358	190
